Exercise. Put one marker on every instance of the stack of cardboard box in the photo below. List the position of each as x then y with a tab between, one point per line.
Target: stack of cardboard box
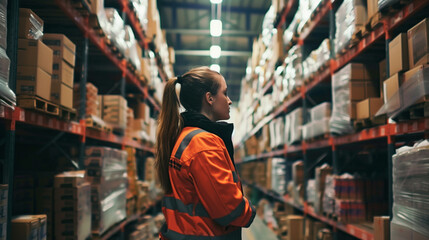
92	104
72	206
107	173
132	190
63	68
29	227
114	110
320	175
34	72
298	182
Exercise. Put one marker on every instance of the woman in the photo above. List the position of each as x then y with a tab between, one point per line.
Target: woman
194	160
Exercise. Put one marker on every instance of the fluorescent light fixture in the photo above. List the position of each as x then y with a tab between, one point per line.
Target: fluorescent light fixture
216	1
216	28
215	51
215	67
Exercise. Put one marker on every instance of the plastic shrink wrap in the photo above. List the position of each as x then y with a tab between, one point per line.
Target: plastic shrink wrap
340	121
268	28
316	59
32	26
107	172
141	8
409	93
411	192
296	121
131	48
7	96
278	175
349	17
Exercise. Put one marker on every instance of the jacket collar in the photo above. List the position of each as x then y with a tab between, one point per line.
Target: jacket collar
221	129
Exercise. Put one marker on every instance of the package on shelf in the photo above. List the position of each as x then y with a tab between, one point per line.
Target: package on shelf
131	52
28	227
398	54
140	8
44	204
295	127
7	96
63	48
317	58
154	21
268	29
353	83
298	181
311	191
131	172
290	34
350	17
114	110
418	43
3	24
320	179
306	8
107	172
276	132
382	228
293	71
320	111
30	25
409	194
316	128
414	90
367	108
276	172
265	139
295	226
92	104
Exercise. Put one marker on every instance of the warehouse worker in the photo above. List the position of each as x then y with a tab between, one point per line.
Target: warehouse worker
194	160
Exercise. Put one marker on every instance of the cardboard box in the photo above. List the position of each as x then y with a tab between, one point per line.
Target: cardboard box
360	90
34	53
398	54
33	81
62	47
25	227
382	228
399	232
368	108
295	227
63	72
29	23
391	86
409	74
372	7
71	179
418	43
61	94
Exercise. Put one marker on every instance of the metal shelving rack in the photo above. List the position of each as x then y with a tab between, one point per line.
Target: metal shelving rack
13	119
385	134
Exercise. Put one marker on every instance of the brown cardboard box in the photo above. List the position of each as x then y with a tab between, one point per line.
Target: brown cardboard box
33	81
61	94
71	179
25	227
403	232
409	74
382	228
360	12
309	229
34	53
398	54
97	6
295	227
27	22
391	86
62	47
62	71
372	7
368	108
360	90
418	43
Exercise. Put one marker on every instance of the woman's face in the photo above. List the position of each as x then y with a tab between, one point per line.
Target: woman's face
221	101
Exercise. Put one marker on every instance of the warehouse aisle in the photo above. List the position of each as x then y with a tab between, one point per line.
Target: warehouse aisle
258	230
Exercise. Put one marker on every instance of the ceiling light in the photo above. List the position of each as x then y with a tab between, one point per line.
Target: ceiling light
215	51
215	67
216	1
216	28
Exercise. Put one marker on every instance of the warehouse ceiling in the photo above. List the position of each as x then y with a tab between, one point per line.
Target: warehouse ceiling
187	25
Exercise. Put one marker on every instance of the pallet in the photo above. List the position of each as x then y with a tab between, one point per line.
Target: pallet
67	114
360	124
96	123
417	111
38	104
375	21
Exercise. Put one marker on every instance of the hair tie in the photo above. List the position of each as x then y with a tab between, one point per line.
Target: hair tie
179	79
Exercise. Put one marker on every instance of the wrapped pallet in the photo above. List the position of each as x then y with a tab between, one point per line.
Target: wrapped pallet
350	17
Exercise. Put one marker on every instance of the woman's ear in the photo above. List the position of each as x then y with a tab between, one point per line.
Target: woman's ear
209	98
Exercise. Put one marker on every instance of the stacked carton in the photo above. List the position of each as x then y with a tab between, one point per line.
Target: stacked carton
318	125
92	102
352	84
114	110
29	227
63	68
107	173
298	182
34	72
7	96
132	190
72	206
320	175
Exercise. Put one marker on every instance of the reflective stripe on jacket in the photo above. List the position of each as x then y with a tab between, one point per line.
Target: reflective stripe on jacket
207	201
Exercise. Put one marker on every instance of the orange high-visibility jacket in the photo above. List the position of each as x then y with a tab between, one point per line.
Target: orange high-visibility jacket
207	201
